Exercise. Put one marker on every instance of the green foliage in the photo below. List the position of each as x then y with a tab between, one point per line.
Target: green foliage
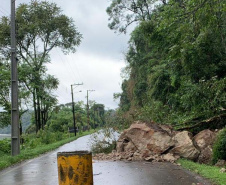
31	129
5	146
210	172
30	141
123	13
4	119
219	148
31	152
176	61
124	97
41	26
59	136
46	136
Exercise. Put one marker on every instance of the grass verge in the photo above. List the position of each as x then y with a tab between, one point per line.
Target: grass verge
8	160
209	172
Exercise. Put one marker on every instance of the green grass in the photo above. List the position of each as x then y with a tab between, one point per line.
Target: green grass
209	172
8	160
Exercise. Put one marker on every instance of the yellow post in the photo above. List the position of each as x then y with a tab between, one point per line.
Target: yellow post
75	168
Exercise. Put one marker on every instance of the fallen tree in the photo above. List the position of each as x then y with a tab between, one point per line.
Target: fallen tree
216	122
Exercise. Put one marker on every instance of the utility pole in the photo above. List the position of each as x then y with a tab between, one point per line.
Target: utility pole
98	111
88	107
94	116
15	131
73	106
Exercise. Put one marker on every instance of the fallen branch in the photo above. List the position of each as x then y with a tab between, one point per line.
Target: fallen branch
216	122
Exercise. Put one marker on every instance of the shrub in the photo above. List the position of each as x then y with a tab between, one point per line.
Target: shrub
46	136
103	147
58	136
104	141
31	129
5	146
219	148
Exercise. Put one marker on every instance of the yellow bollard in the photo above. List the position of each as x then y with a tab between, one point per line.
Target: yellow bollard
75	168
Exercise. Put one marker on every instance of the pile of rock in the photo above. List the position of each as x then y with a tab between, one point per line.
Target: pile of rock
130	156
153	142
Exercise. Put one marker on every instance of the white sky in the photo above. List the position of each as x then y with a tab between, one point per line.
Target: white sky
99	58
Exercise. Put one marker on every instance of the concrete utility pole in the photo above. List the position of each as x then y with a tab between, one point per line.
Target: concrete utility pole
73	106
88	107
94	116
15	131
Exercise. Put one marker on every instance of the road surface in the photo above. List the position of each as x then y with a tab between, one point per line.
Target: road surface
43	171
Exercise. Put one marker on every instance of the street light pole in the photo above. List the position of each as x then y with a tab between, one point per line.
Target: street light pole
15	131
73	107
88	107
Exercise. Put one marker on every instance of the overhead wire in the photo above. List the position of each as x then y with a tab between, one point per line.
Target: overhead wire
76	67
71	68
64	64
5	12
70	74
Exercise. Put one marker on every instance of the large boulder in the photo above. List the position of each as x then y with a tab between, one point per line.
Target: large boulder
184	146
204	141
145	136
204	138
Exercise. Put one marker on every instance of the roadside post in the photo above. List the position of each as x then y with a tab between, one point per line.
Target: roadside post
75	168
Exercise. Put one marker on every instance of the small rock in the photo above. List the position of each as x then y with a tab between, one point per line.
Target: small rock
220	163
131	155
222	170
151	158
169	157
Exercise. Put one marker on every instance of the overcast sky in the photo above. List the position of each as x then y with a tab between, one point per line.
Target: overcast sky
98	60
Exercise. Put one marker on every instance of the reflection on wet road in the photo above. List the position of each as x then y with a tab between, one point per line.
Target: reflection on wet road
43	171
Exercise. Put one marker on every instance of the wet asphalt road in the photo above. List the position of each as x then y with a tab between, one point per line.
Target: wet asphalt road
43	171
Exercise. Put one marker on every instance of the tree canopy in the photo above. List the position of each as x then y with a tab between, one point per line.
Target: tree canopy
177	62
40	26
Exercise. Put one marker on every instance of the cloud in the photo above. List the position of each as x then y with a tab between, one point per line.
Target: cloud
98	59
96	72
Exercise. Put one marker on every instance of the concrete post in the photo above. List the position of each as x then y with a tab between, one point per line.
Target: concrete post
75	168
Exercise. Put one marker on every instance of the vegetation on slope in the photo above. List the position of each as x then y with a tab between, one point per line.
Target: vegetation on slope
176	62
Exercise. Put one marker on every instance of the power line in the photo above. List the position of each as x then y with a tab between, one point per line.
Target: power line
5	12
76	68
70	67
65	66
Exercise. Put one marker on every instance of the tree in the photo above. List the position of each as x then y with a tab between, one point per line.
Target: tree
4	85
41	26
62	118
177	63
122	13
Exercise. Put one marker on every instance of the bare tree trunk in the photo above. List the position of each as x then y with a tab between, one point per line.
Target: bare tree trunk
38	112
35	112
